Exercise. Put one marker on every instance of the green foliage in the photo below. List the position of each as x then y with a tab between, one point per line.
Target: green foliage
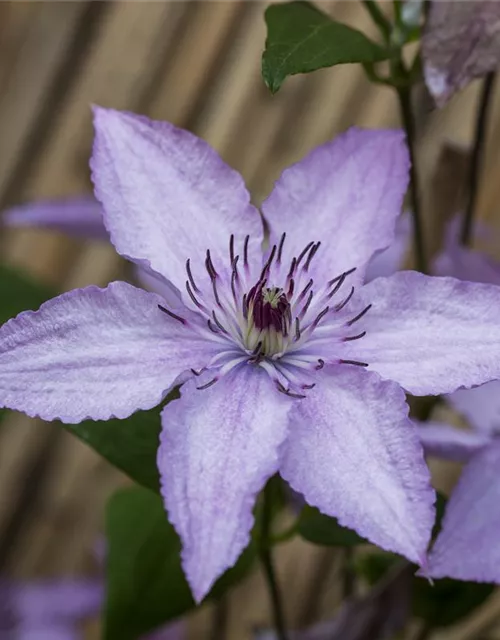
300	39
323	530
131	444
19	292
447	601
145	582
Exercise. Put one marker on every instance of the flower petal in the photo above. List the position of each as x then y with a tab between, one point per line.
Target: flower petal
467	547
47	632
218	447
168	196
460	42
95	353
450	443
58	600
353	453
480	405
432	335
73	216
388	261
346	193
465	264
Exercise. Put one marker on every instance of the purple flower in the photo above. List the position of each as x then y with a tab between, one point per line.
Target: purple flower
287	361
460	42
467	547
48	609
55	609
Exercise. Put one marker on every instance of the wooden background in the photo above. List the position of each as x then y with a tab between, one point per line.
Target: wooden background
196	64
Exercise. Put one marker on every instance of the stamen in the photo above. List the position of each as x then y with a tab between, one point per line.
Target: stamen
245	252
216	294
291	288
292	268
210	266
340	281
217	322
309	386
297	329
320	316
288	393
360	335
320	365
311	255
340	306
305	290
197	373
172	314
267	266
304	251
208	384
194	298
280	248
356	362
359	316
231	248
306	306
211	326
190	276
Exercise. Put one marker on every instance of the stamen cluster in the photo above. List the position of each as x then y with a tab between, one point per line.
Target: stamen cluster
278	322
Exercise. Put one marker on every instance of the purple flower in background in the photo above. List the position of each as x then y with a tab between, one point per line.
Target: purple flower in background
461	41
287	361
467	547
48	609
55	610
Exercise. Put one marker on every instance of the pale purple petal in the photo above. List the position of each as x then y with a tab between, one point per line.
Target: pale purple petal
431	335
450	443
45	632
346	193
218	447
465	264
168	196
461	41
480	405
388	261
353	453
95	353
467	547
81	217
58	600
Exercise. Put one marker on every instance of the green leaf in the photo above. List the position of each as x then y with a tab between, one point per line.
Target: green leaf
317	528
447	601
19	292
300	39
145	582
131	444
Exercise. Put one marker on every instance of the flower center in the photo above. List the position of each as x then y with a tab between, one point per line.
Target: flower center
269	320
289	328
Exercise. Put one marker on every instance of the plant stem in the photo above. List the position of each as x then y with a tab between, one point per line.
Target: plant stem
348	574
477	155
379	18
409	125
265	553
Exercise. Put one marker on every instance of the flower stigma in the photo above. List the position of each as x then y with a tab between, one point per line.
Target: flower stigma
281	320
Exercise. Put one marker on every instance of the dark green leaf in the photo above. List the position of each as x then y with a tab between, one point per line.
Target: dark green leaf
19	292
131	444
145	583
300	39
320	529
447	601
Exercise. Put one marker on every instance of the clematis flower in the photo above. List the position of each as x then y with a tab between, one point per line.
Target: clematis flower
56	609
467	547
460	42
288	363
